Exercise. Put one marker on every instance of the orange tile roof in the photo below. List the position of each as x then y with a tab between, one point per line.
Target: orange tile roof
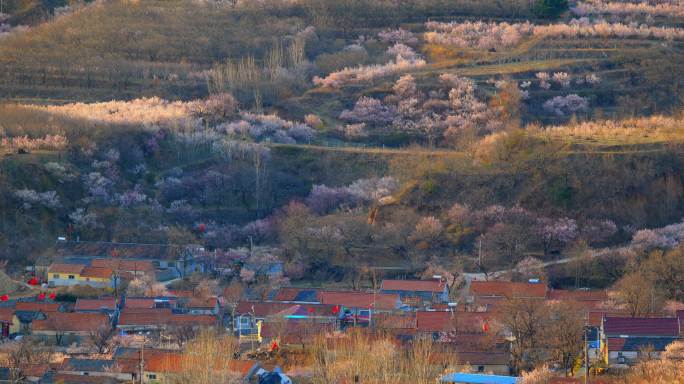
37	307
434	286
507	289
66	268
97	272
71	322
95	304
384	301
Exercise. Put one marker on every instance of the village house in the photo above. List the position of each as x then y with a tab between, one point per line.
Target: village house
64	328
161	320
107	306
200	305
484	295
126	268
434	290
250	316
95	368
62	275
357	308
160	364
625	339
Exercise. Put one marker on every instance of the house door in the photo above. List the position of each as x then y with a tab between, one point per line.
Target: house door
5	330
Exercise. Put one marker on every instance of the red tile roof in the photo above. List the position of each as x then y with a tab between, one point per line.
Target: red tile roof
507	289
616	343
37	307
287	294
97	272
382	301
394	321
295	331
156	360
139	302
578	295
6	315
95	304
434	286
241	366
594	318
200	302
435	321
632	326
71	322
483	358
80	379
34	370
66	268
162	317
124	265
271	308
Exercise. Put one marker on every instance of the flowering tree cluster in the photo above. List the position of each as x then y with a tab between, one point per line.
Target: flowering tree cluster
446	112
405	58
663	238
267	127
324	199
99	187
492	35
585	27
564	79
393	36
29	198
628	8
566	105
478	34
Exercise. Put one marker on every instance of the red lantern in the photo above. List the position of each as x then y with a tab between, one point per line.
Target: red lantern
311	310
336	310
485	327
4	298
33	281
274	346
41	296
52	296
202	227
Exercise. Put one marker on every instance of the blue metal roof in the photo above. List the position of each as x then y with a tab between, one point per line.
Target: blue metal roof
472	378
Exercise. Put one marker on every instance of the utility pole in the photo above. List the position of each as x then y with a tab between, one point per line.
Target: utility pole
586	354
142	361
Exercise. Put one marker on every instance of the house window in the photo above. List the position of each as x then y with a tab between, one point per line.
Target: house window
480	368
152	376
71	277
56	276
87	278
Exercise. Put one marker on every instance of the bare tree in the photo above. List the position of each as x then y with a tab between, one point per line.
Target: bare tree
638	294
101	337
